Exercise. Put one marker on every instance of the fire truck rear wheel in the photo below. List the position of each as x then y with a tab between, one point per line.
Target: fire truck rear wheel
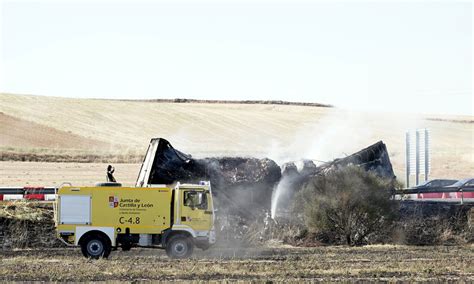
95	247
179	247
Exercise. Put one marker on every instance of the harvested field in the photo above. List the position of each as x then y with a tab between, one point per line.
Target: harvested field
22	133
53	174
29	224
280	132
381	263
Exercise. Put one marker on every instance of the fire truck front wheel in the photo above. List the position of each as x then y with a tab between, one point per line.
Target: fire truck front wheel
179	246
95	247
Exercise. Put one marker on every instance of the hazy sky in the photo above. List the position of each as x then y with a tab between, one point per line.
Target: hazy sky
368	55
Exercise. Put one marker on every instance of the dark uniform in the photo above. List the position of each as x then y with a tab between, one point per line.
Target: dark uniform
110	174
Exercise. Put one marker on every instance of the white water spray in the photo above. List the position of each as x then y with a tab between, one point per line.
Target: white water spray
277	191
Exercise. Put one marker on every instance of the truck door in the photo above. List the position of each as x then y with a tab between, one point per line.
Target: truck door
196	210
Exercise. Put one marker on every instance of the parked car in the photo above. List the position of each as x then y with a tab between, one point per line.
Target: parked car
435	183
463	183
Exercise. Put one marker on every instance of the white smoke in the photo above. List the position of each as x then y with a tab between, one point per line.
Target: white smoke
336	135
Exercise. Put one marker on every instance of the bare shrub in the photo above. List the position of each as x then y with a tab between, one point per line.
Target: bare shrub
434	224
347	205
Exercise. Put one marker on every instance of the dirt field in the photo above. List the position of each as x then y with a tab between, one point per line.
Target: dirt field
280	132
381	263
19	133
52	174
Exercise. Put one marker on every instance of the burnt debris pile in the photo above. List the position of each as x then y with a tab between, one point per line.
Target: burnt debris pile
245	184
238	183
374	158
241	184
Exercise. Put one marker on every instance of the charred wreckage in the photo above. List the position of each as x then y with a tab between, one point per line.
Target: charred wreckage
241	183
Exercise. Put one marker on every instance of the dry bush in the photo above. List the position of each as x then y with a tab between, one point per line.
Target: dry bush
434	224
348	205
26	224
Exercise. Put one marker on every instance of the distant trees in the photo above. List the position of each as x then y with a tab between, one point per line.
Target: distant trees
347	205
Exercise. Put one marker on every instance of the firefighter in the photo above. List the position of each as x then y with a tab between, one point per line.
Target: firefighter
110	174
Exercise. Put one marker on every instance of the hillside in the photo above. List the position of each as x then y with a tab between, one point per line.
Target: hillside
281	132
16	132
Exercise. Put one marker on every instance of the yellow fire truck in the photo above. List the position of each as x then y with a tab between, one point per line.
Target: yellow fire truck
175	217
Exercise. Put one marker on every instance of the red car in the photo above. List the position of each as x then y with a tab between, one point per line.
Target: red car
435	183
464	184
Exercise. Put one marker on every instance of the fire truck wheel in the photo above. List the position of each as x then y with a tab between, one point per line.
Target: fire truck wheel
179	246
95	247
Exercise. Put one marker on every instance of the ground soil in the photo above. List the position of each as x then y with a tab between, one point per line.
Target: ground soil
371	263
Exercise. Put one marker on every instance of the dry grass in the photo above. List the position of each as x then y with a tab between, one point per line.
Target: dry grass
27	225
381	263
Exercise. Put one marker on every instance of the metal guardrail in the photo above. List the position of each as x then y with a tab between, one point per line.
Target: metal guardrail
422	195
27	190
434	190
